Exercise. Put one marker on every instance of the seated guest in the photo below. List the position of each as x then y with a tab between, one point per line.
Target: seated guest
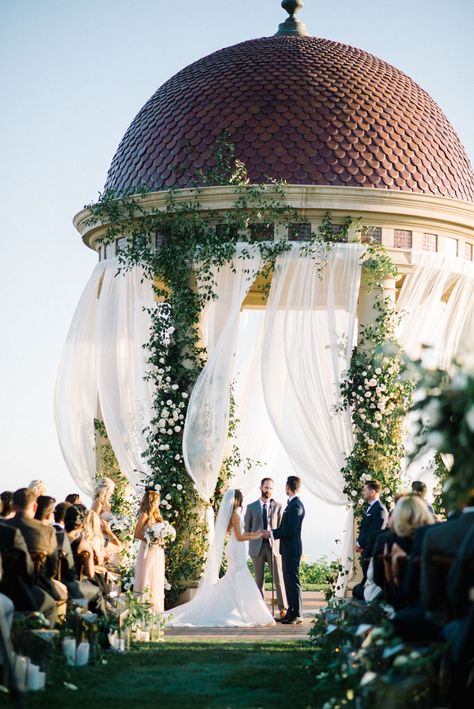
6	499
38	487
419	488
443	539
375	519
411	512
74	526
59	514
102	494
73	498
77	589
38	537
17	580
45	514
461	578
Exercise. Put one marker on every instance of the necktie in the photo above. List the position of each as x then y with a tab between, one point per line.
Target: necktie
265	516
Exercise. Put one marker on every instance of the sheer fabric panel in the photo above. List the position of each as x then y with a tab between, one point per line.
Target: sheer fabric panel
125	393
205	430
75	396
310	331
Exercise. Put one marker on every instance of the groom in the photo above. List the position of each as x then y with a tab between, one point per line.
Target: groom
289	534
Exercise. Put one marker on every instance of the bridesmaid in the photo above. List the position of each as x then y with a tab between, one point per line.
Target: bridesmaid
150	565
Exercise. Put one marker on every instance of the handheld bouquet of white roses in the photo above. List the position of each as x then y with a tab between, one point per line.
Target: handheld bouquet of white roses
160	533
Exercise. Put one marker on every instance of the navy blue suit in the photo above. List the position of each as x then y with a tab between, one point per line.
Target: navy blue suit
291	549
374	520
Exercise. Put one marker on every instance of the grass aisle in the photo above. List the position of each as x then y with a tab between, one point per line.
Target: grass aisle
179	674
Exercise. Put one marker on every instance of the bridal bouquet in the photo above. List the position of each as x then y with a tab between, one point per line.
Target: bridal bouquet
160	533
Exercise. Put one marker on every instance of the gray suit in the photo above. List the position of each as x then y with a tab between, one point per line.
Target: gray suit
260	550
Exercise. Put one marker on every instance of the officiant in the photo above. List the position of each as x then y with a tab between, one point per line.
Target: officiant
266	513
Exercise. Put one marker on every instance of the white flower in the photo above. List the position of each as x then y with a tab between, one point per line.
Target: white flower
400	661
378	371
373	383
177	429
157	487
177	456
162	360
179	486
185	395
161	423
436	439
168	497
431	414
175	387
459	381
470	418
368	394
354	493
169	403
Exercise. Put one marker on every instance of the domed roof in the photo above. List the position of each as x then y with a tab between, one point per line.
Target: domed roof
305	110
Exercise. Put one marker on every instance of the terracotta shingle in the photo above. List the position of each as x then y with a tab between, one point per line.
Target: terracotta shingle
325	112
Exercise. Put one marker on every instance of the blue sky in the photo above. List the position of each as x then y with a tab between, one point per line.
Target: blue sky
72	77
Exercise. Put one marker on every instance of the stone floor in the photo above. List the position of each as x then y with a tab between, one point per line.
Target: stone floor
312	602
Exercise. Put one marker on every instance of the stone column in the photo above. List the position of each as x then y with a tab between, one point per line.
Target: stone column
367	315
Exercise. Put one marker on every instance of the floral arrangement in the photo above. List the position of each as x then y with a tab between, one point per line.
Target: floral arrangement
359	662
160	533
442	422
376	395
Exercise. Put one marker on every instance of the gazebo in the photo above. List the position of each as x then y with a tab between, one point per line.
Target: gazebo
341	132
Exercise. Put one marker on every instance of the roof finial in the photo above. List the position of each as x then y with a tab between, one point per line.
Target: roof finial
292	25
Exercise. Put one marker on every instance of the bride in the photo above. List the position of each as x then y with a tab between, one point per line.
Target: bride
234	600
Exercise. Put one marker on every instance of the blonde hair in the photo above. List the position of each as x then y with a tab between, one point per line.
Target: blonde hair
38	487
104	486
410	513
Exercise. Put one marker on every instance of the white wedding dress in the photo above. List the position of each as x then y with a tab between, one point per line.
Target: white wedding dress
232	601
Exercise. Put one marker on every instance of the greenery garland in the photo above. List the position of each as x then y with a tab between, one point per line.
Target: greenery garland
193	242
377	397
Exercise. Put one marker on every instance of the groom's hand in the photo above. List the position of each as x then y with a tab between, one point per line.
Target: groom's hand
266	534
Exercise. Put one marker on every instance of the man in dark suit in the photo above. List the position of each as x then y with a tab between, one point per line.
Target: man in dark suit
461	578
375	519
38	537
442	539
291	549
17	581
266	513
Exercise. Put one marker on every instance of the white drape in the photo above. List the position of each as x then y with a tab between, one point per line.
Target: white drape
75	396
125	392
104	364
206	425
436	303
310	331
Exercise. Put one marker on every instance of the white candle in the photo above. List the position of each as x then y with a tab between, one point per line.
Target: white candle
33	677
82	654
69	649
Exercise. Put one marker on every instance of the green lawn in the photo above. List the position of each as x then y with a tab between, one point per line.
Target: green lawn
180	674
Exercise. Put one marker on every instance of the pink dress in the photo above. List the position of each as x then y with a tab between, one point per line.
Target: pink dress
150	575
